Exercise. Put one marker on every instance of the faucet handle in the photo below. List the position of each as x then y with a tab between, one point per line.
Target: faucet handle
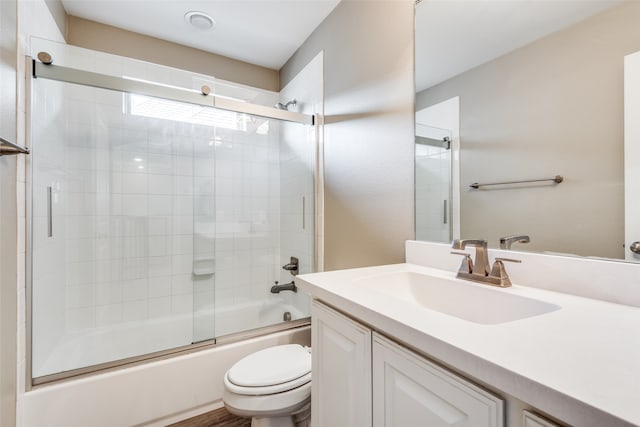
292	267
467	264
498	271
509	260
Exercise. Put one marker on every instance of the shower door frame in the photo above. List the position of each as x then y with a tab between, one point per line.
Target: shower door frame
36	69
139	87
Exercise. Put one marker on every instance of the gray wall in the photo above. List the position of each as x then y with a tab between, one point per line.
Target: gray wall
105	38
8	216
552	107
368	132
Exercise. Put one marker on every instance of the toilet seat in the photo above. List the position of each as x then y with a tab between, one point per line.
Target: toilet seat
265	390
269	371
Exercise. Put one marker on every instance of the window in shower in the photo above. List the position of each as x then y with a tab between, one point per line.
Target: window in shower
157	224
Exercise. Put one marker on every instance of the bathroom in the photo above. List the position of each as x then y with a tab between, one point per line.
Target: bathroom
356	197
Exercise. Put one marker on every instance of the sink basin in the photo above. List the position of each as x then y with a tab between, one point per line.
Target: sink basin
468	301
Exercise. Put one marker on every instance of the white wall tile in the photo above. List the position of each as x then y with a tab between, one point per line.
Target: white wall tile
108	293
133	290
79	319
108	315
160	205
159	266
134	183
80	296
159	307
159	287
182	304
161	184
133	311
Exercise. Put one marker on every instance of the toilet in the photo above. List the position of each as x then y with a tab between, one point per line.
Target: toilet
271	386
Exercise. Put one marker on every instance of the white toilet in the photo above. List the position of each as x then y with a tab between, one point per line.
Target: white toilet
272	386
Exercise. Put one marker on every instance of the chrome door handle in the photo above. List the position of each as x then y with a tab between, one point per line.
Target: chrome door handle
49	211
635	247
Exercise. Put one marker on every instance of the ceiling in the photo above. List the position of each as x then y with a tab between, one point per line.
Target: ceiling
453	36
262	32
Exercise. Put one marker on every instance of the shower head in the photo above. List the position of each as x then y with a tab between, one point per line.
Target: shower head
282	106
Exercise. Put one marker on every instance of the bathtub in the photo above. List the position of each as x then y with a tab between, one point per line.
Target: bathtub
131	339
152	394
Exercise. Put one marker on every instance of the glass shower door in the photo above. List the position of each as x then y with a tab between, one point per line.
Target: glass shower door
264	197
433	184
156	224
116	181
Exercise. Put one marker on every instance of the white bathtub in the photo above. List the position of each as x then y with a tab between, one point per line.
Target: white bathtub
101	345
151	394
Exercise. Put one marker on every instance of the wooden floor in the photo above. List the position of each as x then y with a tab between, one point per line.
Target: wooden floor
218	418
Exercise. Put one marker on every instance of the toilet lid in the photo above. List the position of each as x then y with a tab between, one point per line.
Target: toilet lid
271	366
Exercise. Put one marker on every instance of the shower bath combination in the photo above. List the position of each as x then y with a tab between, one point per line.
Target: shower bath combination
156	196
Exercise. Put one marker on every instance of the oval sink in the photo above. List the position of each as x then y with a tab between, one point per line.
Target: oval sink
467	301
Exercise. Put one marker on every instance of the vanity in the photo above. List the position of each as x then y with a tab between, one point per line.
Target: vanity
410	344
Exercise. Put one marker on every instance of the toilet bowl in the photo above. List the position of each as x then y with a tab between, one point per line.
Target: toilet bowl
271	386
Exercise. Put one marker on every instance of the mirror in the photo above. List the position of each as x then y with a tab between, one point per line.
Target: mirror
524	90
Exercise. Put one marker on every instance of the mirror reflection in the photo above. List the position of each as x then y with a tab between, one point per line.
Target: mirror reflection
511	91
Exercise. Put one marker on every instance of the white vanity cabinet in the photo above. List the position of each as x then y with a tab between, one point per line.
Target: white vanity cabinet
341	370
408	390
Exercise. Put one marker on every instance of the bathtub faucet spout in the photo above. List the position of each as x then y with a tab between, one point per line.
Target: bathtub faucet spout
276	289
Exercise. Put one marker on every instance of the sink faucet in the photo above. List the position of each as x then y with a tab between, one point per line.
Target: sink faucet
506	242
481	264
480	270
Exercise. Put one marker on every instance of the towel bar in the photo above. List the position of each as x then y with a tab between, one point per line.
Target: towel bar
8	148
556	179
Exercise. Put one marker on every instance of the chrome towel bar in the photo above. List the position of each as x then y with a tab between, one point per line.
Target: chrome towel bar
556	179
8	148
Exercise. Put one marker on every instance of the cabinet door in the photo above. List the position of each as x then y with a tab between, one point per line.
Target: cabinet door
341	370
410	391
534	420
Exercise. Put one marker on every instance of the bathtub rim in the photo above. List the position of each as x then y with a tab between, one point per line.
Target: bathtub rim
88	371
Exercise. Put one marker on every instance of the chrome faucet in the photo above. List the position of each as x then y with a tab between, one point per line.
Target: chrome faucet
480	270
276	289
506	242
481	264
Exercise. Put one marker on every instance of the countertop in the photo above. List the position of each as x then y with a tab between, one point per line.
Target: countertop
580	364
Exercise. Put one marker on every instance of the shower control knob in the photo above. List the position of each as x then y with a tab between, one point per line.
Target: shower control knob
635	247
292	267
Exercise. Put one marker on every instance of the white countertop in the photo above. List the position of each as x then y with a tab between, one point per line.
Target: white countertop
580	364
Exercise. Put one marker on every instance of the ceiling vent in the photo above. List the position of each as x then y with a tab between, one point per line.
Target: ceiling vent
200	20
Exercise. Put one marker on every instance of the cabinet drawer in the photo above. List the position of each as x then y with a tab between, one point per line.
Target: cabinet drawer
534	420
409	390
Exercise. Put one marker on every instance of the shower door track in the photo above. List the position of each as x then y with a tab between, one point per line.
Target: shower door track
130	85
165	354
